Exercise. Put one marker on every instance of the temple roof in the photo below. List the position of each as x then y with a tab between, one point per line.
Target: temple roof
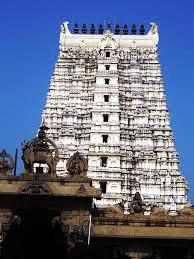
97	38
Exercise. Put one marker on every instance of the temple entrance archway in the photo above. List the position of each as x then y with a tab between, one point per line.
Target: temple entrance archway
34	237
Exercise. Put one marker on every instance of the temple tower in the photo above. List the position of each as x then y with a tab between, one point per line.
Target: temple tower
106	100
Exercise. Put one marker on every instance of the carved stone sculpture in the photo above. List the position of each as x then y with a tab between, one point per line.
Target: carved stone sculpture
6	163
75	234
187	211
77	165
137	204
159	212
40	150
36	187
7	220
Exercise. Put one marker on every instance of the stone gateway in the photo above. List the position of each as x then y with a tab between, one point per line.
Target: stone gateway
106	100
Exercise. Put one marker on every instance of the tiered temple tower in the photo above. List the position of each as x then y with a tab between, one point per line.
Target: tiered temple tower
106	100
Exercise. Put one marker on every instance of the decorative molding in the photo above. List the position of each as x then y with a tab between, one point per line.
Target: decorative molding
36	187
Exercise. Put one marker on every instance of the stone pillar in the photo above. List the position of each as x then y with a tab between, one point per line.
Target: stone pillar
2	237
6	220
1	243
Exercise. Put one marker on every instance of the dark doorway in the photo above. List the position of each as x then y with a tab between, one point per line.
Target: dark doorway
173	253
34	238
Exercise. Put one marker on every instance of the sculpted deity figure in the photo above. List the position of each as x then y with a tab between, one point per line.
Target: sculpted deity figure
6	163
77	165
65	29
154	33
154	28
137	204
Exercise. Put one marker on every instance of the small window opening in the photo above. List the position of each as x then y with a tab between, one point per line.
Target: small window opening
103	186
106	98
105	117
108	54
107	81
107	67
104	161
105	138
39	170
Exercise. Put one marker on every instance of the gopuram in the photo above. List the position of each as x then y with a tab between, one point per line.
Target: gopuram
101	178
106	100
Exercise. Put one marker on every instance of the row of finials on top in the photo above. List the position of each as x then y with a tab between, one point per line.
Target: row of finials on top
124	30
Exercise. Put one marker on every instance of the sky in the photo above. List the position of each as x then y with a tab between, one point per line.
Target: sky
29	39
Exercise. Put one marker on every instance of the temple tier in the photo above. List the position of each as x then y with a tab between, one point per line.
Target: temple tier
106	100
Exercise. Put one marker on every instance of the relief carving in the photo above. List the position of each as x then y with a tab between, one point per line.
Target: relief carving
36	187
77	165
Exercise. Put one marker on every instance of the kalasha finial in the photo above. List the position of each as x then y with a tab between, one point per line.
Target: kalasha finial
109	27
125	29
76	28
92	29
142	30
84	29
42	131
100	30
133	29
117	29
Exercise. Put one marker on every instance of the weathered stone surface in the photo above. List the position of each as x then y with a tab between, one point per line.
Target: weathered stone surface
6	163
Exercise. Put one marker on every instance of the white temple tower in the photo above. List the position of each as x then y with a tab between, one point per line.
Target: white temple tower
106	100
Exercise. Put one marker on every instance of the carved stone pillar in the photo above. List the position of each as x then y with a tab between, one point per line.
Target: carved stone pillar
6	221
1	243
74	228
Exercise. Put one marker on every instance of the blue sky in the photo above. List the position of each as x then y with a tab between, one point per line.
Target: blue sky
29	36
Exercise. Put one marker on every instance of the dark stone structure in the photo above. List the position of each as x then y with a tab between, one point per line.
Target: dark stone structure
40	150
6	163
45	216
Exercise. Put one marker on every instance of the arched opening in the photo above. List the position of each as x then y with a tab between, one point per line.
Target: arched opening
173	253
34	237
